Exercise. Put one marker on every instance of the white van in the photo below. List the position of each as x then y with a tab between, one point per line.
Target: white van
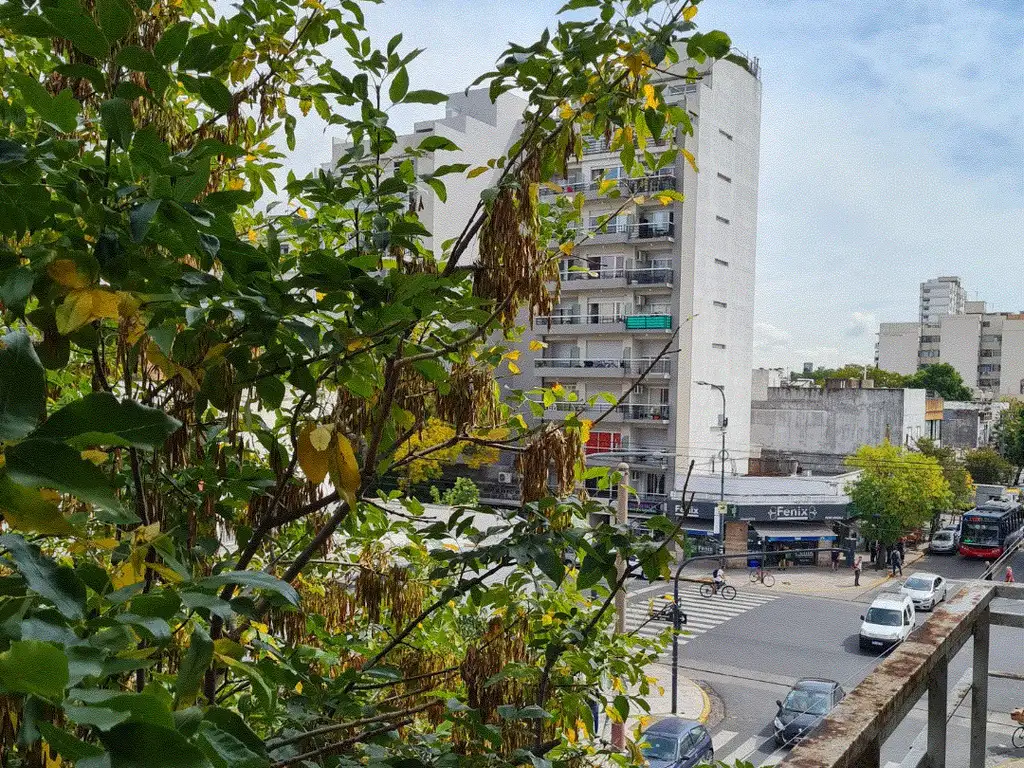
888	622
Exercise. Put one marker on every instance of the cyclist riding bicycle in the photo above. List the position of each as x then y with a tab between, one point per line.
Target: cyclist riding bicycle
718	578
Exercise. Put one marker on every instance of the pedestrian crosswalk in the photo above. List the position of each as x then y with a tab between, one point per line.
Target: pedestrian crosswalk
702	614
729	753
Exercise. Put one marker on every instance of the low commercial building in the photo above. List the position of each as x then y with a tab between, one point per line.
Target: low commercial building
968	426
782	516
815	429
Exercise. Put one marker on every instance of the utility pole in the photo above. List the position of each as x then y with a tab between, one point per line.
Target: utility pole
720	511
622	518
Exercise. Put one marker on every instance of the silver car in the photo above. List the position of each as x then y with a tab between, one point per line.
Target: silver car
943	542
926	590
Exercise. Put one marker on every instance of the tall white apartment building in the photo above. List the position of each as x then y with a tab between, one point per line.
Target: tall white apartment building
653	270
940	297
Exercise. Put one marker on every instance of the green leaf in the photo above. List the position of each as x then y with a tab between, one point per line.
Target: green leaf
434	143
22	387
156	628
100	418
35	667
116	18
254	579
48	464
67	746
215	93
591	570
230	722
193	667
98	717
116	117
399	86
25	509
225	750
424	97
57	583
76	24
550	565
140	218
172	42
144	745
271	391
138	59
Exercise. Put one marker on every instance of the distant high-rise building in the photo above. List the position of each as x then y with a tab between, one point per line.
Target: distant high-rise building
941	296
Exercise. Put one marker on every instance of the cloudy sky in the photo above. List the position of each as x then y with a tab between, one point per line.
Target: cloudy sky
892	148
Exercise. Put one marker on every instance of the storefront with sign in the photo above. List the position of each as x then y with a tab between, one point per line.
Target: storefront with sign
785	517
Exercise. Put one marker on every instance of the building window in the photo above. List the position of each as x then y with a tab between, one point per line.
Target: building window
718	346
723	262
930	339
602	442
722	219
929	353
990	353
727	135
721	304
986	324
991	337
723	177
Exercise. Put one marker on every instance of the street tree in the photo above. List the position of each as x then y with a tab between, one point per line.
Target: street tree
942	379
986	465
897	491
202	401
880	377
954	470
1010	438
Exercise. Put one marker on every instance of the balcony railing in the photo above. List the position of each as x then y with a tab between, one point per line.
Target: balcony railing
643	412
580	319
642	185
594	146
648	322
631	230
649	276
634	365
603	273
634	322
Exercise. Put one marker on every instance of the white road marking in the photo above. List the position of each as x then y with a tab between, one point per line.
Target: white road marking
745	750
722	738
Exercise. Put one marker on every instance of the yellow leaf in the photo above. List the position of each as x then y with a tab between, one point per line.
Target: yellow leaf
105	304
147	533
637	63
252	235
570	736
690	12
567	248
320	438
312	461
107	543
512	354
126	574
169	575
650	97
302	213
690	159
664	199
585	425
451	547
477	171
557	388
565	112
74	312
344	468
65	272
536	346
606	186
96	457
520	422
617	685
127	305
553	187
225	646
513	369
298	687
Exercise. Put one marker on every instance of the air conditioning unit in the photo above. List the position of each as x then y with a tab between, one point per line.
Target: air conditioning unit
506	477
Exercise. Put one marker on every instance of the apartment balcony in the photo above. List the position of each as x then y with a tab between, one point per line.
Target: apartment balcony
651	456
574	367
650	276
593	146
642	185
621	232
644	412
593	279
652	322
578	325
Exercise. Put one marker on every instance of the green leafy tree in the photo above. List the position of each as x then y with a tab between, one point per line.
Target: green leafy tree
954	470
987	466
942	379
198	424
1010	438
897	491
880	377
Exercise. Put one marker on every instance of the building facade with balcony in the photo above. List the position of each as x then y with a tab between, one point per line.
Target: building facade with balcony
651	274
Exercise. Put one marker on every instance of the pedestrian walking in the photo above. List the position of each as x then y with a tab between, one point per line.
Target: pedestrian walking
897	562
901	547
988	571
1009	575
835	560
858	564
873	549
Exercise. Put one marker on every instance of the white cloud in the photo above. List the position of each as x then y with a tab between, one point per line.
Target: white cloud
861	324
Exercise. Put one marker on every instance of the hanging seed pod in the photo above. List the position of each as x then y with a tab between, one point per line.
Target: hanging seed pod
513	267
472	399
554	450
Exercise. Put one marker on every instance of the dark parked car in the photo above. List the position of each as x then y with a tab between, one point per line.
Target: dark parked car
806	705
676	743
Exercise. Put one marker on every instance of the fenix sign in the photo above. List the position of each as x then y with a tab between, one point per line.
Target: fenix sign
795	513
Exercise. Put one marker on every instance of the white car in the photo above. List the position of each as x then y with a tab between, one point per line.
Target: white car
943	542
926	590
888	622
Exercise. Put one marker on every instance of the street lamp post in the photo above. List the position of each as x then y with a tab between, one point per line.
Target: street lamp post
725	423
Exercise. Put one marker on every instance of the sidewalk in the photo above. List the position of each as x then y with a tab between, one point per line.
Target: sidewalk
693	701
821	581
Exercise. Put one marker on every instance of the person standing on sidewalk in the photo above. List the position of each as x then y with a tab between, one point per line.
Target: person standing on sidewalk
897	562
1009	575
835	560
858	564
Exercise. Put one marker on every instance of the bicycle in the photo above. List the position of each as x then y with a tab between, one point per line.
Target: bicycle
760	575
727	591
1018	737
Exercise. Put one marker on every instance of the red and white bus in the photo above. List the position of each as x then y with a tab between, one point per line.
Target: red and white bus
990	528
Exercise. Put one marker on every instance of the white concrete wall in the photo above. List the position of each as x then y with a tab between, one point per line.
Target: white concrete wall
898	345
1011	382
961	337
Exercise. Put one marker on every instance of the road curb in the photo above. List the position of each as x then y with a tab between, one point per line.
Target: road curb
705	711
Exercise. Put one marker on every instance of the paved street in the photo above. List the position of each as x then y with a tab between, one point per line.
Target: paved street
752	651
